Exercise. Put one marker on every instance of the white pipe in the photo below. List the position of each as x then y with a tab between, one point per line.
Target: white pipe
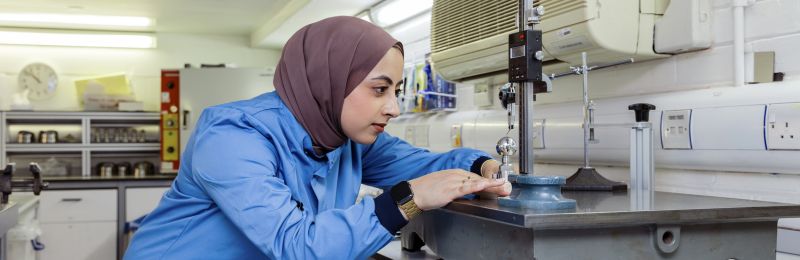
738	41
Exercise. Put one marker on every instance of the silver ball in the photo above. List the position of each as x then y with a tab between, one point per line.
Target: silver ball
506	146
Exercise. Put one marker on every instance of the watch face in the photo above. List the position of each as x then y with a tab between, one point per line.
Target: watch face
401	192
40	80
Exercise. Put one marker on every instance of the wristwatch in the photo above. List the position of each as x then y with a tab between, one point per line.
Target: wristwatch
402	195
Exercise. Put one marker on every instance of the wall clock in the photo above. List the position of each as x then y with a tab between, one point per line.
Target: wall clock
40	80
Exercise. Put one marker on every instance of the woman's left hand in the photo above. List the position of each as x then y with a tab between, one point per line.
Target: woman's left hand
488	169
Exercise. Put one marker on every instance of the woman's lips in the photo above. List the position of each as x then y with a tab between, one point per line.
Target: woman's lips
378	127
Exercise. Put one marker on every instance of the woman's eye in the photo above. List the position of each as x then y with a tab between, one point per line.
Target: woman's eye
398	92
380	90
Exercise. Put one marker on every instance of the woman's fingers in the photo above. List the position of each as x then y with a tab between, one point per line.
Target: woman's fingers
436	189
502	190
476	184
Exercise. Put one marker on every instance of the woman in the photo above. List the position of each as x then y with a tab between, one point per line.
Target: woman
277	176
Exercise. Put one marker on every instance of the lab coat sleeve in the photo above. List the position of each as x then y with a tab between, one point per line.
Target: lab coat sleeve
390	160
236	166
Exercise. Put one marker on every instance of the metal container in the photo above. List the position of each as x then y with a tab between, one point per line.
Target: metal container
25	137
124	169
48	137
143	168
105	169
52	136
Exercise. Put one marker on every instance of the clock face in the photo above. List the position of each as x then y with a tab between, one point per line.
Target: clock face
40	80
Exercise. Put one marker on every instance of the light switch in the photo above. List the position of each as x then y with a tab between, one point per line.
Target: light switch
483	95
538	133
421	136
675	129
417	135
409	136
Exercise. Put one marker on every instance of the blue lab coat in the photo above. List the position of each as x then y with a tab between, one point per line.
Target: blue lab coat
251	186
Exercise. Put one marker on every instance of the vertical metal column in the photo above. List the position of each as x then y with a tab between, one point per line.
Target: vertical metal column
585	72
526	134
525	97
642	167
3	141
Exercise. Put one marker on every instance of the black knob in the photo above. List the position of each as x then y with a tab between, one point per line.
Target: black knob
170	149
642	111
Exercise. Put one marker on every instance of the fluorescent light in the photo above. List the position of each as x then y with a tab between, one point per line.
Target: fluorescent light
390	12
65	38
70	20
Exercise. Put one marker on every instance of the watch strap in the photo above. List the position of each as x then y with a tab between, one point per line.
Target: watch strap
410	209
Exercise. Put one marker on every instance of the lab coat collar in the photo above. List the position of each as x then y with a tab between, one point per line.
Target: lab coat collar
308	148
327	159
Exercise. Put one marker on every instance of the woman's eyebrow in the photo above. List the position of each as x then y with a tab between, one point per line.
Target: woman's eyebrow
387	79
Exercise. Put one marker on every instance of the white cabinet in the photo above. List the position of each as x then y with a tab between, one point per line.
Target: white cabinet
140	201
78	205
79	224
80	240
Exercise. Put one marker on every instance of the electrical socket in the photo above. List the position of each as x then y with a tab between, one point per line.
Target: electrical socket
675	129
783	126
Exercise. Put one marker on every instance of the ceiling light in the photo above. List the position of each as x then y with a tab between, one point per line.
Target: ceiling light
77	39
390	12
74	21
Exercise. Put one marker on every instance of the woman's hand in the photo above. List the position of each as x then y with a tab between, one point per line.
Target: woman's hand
489	169
436	189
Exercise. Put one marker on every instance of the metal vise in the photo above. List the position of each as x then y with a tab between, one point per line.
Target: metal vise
8	184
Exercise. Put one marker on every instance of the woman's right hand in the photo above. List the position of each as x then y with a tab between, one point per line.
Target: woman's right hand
436	189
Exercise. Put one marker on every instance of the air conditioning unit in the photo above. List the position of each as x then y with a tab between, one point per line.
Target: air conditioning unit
469	38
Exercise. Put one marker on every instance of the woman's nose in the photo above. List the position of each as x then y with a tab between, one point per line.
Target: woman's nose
392	108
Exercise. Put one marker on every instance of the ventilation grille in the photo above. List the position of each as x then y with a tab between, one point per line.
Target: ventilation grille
559	7
458	22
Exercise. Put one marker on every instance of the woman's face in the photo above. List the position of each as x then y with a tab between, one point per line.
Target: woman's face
368	108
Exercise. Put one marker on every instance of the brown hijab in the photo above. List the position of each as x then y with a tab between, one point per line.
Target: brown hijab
321	64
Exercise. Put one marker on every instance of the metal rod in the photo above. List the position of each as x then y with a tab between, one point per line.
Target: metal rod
585	72
596	67
603	66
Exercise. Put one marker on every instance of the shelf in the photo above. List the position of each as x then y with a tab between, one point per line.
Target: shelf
55	115
80	126
123	147
43	147
422	92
